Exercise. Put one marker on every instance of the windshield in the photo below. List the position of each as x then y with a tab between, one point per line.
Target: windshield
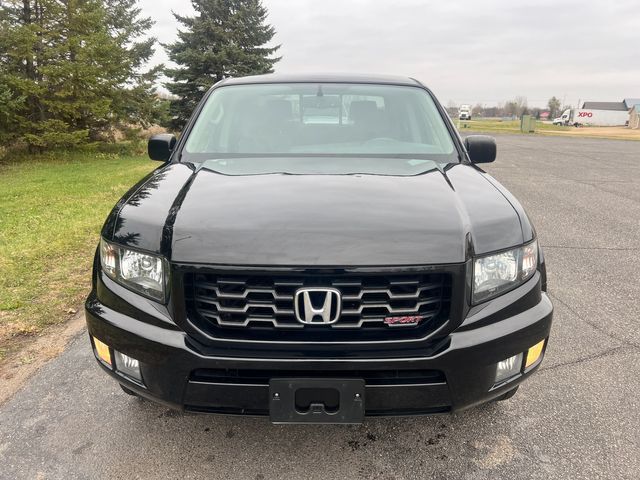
320	128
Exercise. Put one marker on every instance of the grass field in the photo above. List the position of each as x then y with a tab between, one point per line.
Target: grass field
51	211
506	126
513	126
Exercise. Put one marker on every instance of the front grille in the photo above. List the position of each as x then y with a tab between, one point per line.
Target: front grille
371	377
263	303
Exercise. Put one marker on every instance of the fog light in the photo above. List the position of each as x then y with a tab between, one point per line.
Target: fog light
508	368
102	351
127	366
534	354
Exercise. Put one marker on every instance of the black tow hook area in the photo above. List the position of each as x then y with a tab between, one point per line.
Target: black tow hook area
316	400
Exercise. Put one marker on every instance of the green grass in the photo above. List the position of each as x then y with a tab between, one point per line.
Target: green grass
513	127
51	212
507	126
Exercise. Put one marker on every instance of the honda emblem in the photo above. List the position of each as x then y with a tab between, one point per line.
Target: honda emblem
317	306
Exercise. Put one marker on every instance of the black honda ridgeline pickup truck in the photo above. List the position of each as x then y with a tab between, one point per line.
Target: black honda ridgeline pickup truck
319	249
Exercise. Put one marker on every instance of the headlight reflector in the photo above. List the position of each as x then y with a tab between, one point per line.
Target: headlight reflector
497	273
108	258
141	272
529	259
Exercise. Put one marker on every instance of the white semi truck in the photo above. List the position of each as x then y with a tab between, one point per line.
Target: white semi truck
465	112
592	117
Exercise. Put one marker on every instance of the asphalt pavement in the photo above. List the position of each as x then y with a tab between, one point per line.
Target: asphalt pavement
578	417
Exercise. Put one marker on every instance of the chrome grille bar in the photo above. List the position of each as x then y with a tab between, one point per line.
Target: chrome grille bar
267	301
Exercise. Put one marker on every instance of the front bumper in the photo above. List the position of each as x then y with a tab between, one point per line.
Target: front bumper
458	374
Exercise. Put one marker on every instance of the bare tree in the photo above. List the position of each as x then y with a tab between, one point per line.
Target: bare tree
452	108
521	105
511	108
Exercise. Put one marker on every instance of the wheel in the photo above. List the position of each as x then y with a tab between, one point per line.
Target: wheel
507	396
128	391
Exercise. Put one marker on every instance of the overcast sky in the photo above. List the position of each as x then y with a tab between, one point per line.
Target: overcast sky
466	51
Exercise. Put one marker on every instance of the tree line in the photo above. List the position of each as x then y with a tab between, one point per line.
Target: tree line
75	71
513	108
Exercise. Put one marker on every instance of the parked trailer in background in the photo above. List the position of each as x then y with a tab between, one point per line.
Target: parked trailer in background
592	117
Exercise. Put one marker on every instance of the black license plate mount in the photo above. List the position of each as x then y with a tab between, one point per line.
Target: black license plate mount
316	400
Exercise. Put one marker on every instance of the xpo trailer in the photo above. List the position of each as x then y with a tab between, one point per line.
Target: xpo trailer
592	117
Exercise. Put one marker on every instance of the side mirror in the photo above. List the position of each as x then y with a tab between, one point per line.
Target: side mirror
481	148
161	146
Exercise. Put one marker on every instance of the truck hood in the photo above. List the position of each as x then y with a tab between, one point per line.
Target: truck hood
196	215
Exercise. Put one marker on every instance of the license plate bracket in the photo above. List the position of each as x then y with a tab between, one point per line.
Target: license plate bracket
316	400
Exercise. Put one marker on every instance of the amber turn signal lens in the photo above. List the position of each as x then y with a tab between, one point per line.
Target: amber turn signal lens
534	353
102	351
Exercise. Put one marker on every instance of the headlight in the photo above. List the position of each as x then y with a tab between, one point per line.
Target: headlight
141	272
497	273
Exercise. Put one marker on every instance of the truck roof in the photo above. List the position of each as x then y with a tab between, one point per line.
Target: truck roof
616	106
630	102
322	78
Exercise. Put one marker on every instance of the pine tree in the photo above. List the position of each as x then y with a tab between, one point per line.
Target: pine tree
137	103
23	51
75	67
226	38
